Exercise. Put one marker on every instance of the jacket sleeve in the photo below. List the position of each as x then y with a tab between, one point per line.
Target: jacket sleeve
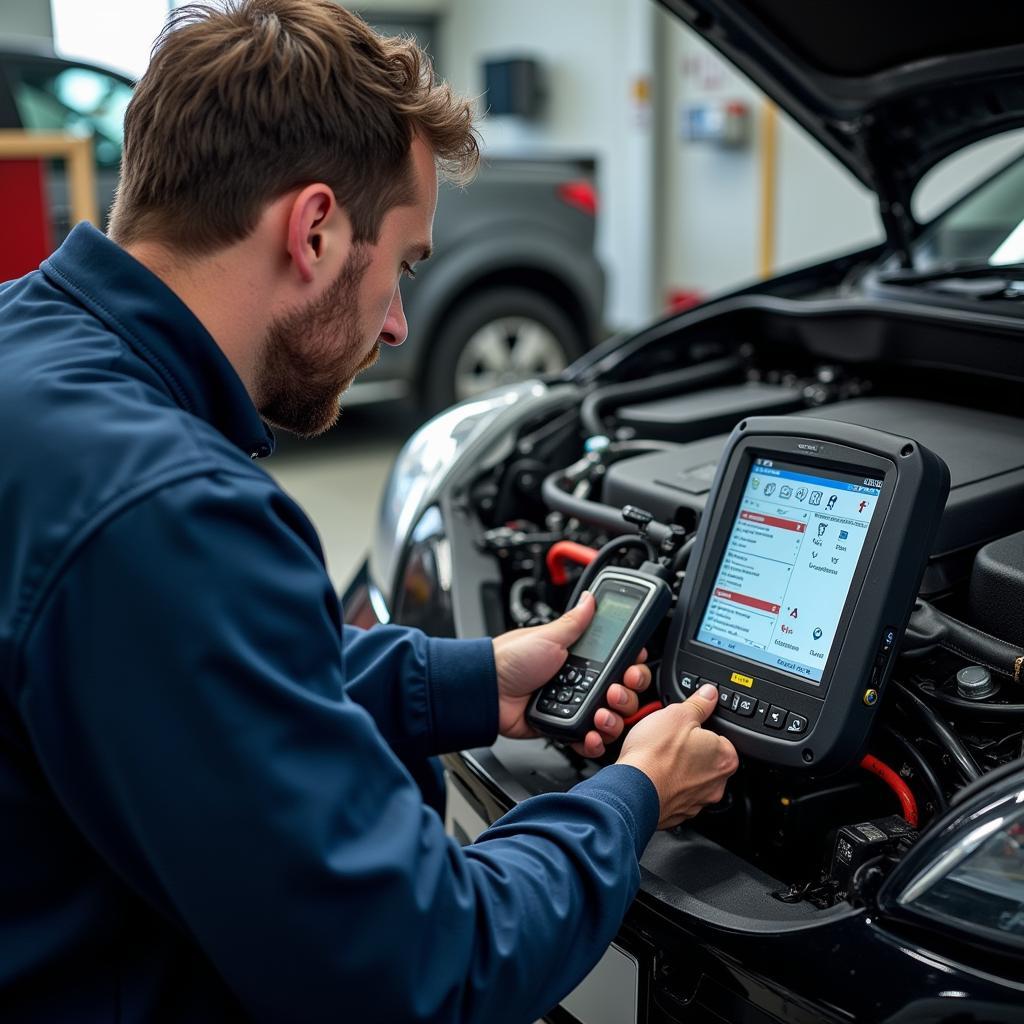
427	695
183	686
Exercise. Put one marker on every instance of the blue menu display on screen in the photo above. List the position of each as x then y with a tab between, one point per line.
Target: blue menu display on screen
788	564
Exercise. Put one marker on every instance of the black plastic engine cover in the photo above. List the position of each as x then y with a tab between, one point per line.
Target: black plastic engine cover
697	413
984	452
997	589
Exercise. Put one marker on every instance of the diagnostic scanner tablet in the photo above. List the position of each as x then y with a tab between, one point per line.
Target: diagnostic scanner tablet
804	573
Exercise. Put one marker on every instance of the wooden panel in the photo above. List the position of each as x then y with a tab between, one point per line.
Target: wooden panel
24	208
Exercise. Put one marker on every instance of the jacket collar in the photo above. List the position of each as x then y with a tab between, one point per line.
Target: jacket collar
162	331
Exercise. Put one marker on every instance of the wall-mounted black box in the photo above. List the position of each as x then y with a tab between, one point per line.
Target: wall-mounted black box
514	86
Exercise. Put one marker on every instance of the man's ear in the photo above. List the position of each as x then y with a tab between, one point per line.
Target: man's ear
319	233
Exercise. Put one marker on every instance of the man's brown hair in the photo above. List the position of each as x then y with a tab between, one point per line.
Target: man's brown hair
247	99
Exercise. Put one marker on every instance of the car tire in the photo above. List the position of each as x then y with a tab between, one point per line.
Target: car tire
495	337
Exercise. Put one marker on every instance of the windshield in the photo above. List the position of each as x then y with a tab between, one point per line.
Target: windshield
53	97
985	227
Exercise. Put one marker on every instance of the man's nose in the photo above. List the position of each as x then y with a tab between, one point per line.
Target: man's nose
395	329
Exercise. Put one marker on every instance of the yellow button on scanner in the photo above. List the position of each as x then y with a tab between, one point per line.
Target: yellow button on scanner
741	680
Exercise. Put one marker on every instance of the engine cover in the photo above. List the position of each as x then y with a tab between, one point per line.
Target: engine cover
984	452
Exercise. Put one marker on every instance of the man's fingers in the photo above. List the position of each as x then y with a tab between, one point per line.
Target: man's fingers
591	746
568	628
621	700
637	677
609	725
702	703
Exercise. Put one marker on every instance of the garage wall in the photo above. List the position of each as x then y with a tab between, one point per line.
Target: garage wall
115	33
713	195
400	7
821	209
27	20
597	55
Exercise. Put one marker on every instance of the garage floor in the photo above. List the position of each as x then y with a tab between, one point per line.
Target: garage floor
338	480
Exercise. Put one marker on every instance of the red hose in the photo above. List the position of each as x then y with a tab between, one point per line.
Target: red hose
896	784
567	551
647	709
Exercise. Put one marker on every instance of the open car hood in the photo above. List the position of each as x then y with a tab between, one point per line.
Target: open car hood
889	88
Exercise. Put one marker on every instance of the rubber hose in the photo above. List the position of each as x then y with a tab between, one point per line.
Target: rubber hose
947	739
597	513
682	556
929	628
604	555
674	382
898	786
921	766
979	708
593	512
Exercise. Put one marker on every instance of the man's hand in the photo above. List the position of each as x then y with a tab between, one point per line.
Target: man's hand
688	765
527	658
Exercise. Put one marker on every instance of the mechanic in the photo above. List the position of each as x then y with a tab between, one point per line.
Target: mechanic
208	783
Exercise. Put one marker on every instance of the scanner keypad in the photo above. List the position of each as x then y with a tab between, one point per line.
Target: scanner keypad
753	708
565	695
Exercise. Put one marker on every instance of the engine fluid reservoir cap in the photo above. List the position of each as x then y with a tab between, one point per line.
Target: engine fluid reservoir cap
975	682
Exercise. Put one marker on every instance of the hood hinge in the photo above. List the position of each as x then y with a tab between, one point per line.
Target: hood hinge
900	226
894	191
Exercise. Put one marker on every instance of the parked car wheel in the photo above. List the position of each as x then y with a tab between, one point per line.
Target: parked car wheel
498	337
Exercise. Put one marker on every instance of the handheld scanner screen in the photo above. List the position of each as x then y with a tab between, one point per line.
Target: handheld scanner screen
616	606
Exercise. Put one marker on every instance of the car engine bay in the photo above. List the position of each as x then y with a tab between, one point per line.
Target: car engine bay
649	442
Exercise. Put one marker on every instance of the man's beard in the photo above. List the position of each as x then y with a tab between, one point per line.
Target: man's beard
311	356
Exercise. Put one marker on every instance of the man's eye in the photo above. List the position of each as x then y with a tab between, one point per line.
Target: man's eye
407	270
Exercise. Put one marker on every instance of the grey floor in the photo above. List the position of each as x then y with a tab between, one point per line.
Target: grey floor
338	480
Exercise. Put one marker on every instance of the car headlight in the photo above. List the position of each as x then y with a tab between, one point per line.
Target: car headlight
422	468
423	596
971	876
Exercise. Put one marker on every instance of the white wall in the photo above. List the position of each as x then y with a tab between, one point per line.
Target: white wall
594	52
821	209
26	20
713	196
117	33
398	7
709	195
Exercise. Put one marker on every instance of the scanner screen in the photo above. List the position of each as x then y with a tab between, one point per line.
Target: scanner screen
616	605
788	564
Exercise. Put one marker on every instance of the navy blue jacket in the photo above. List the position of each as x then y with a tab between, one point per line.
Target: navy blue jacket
207	798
